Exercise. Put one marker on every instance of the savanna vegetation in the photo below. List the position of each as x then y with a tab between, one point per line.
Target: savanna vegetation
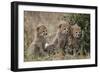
51	19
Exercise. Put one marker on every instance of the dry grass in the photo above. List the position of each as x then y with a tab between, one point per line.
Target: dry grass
50	20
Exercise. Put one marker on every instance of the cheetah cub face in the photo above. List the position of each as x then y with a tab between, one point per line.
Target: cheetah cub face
76	31
64	27
42	31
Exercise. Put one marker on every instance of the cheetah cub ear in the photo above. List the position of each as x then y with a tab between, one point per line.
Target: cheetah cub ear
37	29
59	26
61	23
